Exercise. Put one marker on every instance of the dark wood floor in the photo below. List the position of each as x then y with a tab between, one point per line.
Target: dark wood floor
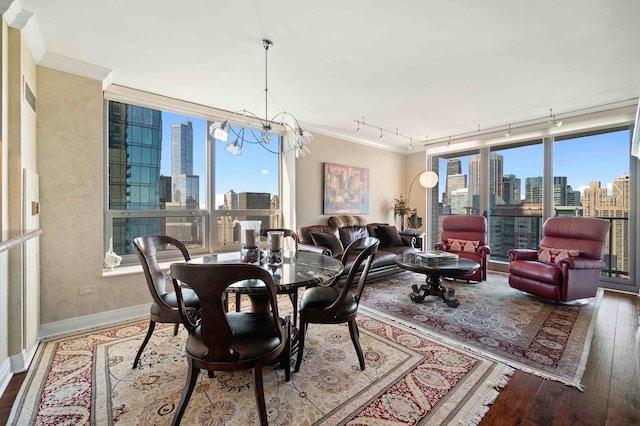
611	380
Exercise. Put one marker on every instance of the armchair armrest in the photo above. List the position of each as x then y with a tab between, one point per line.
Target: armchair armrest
484	251
581	263
442	246
522	254
314	249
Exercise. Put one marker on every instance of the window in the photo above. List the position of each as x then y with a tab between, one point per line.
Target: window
246	187
515	199
165	175
591	178
156	185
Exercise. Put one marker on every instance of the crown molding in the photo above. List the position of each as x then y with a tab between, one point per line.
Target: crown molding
74	66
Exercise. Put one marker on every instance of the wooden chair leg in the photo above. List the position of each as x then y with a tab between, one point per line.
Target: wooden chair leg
175	328
187	390
302	332
353	330
152	326
259	392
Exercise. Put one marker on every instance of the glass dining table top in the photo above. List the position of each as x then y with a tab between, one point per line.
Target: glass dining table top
307	270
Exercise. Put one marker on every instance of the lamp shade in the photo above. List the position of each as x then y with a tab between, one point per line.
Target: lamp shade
428	179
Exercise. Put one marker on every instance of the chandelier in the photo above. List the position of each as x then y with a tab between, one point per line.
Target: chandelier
297	139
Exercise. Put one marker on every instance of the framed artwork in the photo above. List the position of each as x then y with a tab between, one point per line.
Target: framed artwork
346	189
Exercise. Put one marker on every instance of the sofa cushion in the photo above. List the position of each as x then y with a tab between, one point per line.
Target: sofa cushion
463	245
329	241
349	234
388	236
345	220
552	255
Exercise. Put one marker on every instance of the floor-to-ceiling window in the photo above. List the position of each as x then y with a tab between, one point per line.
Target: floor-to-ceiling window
591	178
515	198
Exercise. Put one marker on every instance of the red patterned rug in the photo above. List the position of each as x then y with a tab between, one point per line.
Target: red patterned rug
409	379
496	321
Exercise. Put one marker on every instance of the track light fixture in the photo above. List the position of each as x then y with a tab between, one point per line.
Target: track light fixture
508	132
361	123
553	120
381	135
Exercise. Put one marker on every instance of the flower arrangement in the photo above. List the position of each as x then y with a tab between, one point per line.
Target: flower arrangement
401	207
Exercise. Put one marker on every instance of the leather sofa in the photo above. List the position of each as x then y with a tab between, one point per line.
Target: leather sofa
340	231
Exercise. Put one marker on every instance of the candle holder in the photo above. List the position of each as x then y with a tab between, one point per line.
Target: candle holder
275	256
249	250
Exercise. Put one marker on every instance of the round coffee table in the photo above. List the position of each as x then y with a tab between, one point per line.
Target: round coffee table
435	267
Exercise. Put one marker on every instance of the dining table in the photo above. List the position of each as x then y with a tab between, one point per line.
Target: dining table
305	269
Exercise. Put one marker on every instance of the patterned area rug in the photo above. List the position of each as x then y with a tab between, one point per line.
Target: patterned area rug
409	380
497	321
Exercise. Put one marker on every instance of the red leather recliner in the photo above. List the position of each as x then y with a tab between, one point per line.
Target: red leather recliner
467	228
570	278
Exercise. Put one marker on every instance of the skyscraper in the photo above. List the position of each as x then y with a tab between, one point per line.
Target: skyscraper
135	135
533	190
511	189
185	185
495	174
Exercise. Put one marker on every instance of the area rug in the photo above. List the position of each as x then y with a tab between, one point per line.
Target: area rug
495	320
409	380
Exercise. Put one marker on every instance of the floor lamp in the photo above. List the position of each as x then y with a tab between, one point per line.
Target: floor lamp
428	179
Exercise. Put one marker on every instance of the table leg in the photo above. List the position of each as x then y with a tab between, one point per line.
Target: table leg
434	287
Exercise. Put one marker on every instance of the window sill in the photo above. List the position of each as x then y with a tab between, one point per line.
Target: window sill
137	269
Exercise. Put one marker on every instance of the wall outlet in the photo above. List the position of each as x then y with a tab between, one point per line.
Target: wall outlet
87	290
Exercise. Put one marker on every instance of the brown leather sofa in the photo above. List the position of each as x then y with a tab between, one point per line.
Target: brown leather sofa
340	231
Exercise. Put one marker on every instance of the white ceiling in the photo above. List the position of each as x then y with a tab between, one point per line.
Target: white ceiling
424	67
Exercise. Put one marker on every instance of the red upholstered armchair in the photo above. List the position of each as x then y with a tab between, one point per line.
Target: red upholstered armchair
568	264
466	235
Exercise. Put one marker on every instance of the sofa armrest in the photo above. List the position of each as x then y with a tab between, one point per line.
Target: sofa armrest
408	240
522	254
484	251
315	249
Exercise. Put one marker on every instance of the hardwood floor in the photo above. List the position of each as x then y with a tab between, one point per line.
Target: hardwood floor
611	380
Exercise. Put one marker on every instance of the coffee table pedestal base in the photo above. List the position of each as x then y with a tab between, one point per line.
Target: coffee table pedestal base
434	287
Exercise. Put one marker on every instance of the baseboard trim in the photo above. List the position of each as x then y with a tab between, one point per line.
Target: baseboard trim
5	375
87	322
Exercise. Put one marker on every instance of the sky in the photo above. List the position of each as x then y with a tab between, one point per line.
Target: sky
255	170
582	160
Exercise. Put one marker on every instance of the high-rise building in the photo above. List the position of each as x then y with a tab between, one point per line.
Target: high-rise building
185	185
454	183
560	191
135	136
454	167
511	189
231	200
165	191
620	189
254	200
533	190
495	174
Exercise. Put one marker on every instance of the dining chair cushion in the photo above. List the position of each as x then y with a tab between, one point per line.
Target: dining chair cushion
318	298
329	241
190	298
253	336
389	236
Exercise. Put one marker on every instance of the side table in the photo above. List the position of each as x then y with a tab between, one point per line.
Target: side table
419	238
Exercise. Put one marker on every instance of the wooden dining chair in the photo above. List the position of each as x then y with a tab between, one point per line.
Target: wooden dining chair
164	308
229	341
338	302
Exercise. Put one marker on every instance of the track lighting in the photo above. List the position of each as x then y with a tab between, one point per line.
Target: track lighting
508	132
553	120
381	134
411	143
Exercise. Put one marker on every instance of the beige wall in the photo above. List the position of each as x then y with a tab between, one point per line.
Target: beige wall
386	178
71	166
